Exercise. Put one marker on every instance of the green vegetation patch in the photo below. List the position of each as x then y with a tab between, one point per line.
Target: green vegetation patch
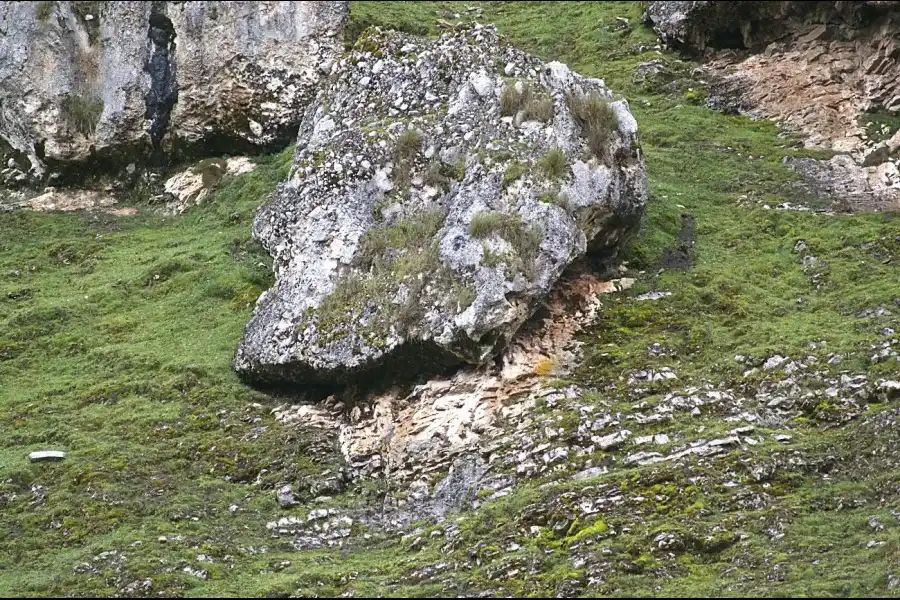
82	112
43	9
171	458
597	120
403	254
880	124
535	104
406	148
525	240
553	164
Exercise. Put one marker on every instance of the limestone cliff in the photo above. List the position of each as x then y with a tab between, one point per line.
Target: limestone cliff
82	81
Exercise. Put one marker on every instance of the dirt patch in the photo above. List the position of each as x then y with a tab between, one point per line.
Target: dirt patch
681	256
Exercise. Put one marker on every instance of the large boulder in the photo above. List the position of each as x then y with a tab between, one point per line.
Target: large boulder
110	81
439	190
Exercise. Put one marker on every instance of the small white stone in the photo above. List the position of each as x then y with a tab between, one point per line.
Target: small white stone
46	456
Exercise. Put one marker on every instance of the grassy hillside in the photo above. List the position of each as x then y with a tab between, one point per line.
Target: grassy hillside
116	335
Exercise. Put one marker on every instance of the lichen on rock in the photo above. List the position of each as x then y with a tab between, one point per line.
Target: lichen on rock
439	190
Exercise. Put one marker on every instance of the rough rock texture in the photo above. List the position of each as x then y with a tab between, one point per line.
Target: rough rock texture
107	80
68	200
816	68
420	227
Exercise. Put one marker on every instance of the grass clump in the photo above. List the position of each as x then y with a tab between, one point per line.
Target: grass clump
407	234
513	171
510	101
441	175
525	240
557	198
405	253
82	112
407	146
539	108
596	118
486	224
553	164
535	105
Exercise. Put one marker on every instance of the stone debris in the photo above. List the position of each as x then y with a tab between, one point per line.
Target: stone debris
451	416
67	200
286	498
192	186
653	296
812	69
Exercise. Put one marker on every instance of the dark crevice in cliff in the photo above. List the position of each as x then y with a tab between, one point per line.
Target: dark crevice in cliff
163	92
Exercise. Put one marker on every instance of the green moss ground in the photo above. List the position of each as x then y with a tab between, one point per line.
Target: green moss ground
116	336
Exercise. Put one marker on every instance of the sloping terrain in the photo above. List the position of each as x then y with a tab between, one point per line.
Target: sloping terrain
731	428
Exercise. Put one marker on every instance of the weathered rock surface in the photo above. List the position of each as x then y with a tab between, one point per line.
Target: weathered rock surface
860	187
92	80
439	190
816	68
69	200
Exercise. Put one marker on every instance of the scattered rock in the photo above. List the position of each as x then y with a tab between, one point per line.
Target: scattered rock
192	186
47	456
653	296
774	362
814	68
66	200
286	498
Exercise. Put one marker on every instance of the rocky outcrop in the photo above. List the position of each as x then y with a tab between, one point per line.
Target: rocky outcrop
816	68
698	26
83	81
439	190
